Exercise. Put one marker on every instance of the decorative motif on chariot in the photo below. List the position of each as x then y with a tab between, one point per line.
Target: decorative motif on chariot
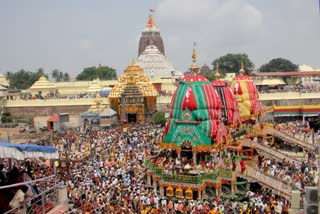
186	144
187	115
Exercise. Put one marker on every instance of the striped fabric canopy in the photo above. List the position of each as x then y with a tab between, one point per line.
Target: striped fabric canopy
195	113
246	95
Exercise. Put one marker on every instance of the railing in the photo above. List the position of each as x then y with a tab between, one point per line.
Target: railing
288	95
260	147
289	138
187	178
41	203
278	187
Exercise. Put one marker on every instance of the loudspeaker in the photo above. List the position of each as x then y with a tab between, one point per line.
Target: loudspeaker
311	200
312	194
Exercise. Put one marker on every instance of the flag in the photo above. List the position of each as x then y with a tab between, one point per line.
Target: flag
152	11
195	43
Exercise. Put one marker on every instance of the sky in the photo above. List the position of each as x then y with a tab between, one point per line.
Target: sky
70	35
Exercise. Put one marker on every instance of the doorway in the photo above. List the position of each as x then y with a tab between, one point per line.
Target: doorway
132	117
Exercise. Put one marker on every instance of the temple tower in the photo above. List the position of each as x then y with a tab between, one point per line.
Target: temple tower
151	35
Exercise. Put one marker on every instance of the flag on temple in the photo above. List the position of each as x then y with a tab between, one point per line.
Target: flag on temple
151	10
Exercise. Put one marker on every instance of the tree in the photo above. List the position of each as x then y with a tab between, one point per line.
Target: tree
231	63
23	79
55	74
279	64
159	118
66	77
101	72
59	76
210	76
6	118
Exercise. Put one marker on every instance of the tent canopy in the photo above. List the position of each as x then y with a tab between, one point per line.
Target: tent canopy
23	151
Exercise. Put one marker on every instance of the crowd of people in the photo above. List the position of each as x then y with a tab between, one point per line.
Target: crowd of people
105	173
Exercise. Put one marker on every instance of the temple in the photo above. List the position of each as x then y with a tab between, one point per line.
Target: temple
133	97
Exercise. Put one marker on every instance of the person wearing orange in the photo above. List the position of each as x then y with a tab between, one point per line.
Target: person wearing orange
180	207
170	205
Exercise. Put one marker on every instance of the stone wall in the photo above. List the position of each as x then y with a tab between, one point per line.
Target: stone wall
41	121
33	108
46	110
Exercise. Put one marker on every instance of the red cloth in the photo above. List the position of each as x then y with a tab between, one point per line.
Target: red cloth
189	101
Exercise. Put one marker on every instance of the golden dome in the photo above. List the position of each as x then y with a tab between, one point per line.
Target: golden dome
133	67
134	77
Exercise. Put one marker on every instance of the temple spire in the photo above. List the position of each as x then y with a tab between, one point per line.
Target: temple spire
194	67
242	71
217	74
150	23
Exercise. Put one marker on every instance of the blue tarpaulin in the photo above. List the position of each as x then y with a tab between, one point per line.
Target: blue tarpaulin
22	151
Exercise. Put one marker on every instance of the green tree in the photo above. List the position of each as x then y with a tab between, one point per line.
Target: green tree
59	76
101	72
23	79
6	118
66	77
56	75
279	64
159	118
231	63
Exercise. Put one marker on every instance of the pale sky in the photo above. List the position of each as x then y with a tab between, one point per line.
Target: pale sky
70	35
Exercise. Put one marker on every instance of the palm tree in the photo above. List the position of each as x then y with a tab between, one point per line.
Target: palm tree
66	77
55	74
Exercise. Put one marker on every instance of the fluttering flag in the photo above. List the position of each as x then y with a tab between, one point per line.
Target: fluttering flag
152	11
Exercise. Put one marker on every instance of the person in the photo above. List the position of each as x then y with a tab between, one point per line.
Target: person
19	199
243	166
234	166
3	176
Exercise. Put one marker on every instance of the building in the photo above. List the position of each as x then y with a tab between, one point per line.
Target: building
307	79
204	69
134	96
151	34
151	54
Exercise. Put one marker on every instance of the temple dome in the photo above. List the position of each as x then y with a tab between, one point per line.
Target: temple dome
154	63
134	76
3	81
94	86
42	83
